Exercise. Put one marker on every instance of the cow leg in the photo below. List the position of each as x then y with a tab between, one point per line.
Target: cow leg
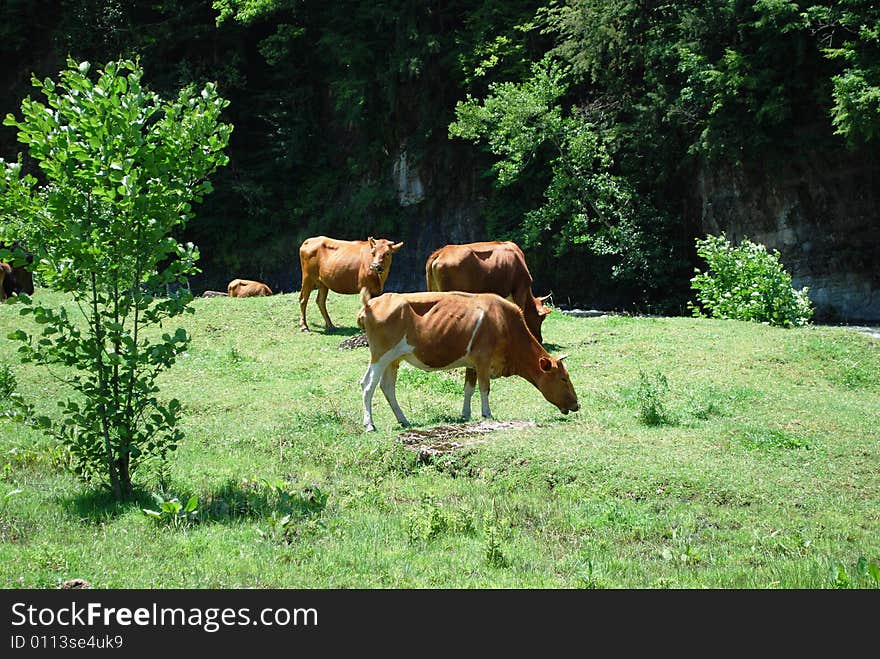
304	294
483	382
389	388
470	385
375	374
368	386
322	305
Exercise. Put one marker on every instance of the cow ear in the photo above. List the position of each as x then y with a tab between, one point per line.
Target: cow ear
545	364
545	311
396	247
372	241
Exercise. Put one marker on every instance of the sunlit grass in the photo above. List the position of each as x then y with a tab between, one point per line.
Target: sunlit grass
763	473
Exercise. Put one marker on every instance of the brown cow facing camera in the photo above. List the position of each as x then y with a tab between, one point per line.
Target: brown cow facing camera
342	266
483	333
247	288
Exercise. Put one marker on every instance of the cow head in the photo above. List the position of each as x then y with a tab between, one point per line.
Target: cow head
555	384
535	315
381	251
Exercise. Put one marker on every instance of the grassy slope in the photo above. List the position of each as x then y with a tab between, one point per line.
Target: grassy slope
765	475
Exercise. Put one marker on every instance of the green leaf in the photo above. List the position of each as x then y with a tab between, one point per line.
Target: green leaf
191	504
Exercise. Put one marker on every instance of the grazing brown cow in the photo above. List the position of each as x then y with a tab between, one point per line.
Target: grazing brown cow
484	333
247	288
488	267
342	266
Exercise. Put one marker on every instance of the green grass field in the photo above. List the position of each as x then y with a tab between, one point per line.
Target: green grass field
707	454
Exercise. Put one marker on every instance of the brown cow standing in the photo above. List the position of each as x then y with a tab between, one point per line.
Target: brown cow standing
484	333
247	288
488	267
342	266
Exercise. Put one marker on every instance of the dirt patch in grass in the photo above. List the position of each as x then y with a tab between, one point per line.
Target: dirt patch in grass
356	341
451	437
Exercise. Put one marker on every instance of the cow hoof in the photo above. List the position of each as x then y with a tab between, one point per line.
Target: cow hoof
303	328
370	428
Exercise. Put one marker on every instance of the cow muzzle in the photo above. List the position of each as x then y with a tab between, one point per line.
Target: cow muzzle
377	267
574	407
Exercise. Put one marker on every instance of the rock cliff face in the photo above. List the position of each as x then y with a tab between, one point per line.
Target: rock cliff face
821	211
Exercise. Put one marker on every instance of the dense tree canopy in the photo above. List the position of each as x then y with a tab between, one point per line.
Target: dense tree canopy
327	97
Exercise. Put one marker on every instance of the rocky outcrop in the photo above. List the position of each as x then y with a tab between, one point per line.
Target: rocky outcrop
821	211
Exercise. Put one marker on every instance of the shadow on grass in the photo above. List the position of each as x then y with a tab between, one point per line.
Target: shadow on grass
338	331
236	500
230	502
96	506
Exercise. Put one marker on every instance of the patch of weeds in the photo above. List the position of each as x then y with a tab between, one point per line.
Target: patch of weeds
682	551
316	391
58	458
705	403
233	356
257	498
11	528
864	574
454	463
286	528
849	363
392	459
777	543
589	579
236	500
49	559
496	529
651	393
172	514
8	384
772	438
432	519
298	512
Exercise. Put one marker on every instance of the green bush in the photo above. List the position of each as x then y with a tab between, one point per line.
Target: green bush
746	282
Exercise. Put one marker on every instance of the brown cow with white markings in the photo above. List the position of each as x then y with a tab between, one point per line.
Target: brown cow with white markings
488	267
342	266
484	333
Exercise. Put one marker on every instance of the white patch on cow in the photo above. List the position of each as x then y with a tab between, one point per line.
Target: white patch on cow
476	329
